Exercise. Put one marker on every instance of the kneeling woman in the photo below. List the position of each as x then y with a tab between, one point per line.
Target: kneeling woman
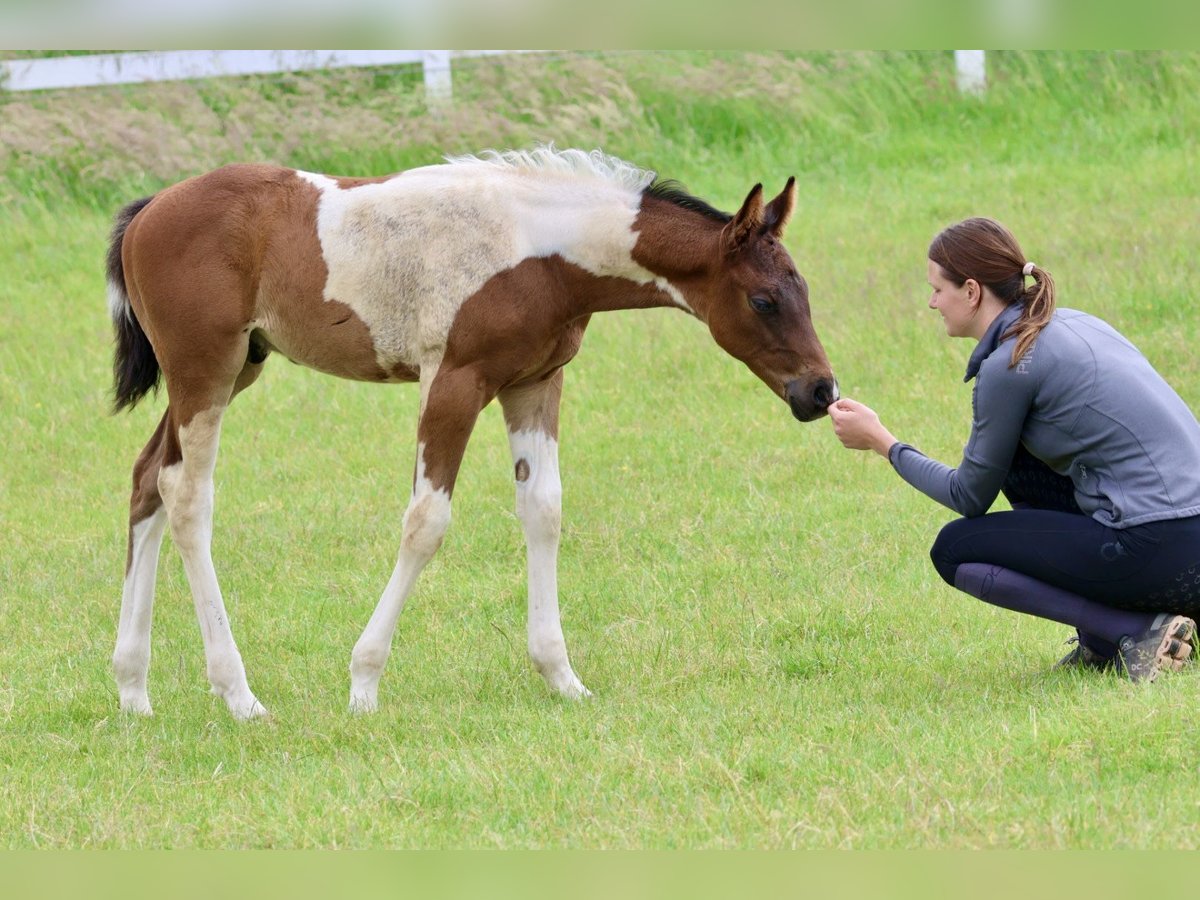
1098	456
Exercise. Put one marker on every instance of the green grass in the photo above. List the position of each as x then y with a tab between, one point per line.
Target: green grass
774	660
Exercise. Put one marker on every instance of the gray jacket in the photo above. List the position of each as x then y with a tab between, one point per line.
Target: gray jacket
1088	404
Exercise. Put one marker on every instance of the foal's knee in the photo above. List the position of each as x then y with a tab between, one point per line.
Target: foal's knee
425	523
540	511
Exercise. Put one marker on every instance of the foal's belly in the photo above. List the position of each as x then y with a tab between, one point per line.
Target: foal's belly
327	335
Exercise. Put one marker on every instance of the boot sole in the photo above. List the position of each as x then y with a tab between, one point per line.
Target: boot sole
1176	648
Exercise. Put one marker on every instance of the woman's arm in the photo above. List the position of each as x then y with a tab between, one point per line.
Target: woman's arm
1001	404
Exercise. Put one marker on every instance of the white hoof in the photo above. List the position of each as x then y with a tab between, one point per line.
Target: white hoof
138	704
579	692
364	701
570	687
247	708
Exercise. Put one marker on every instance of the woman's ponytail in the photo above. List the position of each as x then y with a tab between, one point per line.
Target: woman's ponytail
1039	308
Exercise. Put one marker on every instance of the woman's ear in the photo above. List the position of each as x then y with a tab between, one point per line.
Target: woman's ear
974	293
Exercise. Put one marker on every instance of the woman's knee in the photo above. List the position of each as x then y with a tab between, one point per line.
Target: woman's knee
942	554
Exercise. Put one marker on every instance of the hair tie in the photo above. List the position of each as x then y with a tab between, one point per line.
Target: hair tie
1028	268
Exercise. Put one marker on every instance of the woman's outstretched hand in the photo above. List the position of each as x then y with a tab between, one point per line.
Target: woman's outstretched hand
858	427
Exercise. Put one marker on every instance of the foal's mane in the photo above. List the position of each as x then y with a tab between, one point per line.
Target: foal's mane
673	192
595	164
580	163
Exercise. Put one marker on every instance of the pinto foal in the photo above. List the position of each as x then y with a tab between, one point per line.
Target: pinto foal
476	278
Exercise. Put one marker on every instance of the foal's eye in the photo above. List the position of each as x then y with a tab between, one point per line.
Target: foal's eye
763	305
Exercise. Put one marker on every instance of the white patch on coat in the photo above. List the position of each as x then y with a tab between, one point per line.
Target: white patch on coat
406	253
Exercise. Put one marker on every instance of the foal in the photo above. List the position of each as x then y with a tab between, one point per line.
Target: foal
476	278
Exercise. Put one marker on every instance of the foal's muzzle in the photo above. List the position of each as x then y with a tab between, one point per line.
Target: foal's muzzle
809	398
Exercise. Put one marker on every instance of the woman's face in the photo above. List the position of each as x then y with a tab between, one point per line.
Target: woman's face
958	305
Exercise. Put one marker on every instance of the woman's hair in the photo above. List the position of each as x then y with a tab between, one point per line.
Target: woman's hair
985	250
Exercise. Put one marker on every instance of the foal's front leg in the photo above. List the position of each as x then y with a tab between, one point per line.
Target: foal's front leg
449	410
531	414
424	525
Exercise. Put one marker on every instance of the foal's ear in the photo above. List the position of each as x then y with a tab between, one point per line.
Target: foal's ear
779	210
747	222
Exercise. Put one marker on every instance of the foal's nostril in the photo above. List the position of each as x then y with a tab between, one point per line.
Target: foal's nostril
824	393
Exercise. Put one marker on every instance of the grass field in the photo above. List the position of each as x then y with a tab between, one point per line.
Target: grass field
775	662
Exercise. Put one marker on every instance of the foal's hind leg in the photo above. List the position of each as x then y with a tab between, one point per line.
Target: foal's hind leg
186	486
147	521
531	413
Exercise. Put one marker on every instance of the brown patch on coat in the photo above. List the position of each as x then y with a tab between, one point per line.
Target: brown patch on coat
348	183
517	331
217	257
682	245
522	470
528	321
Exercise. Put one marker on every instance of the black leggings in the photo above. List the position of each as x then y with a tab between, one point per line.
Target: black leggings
1147	568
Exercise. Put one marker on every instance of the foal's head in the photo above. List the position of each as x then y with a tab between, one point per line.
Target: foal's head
759	307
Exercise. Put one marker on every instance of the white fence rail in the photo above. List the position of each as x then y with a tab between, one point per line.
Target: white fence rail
130	68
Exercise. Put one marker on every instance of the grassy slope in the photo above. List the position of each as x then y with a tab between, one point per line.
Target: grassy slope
776	664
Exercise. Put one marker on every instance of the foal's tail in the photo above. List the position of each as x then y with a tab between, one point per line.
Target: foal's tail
135	367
